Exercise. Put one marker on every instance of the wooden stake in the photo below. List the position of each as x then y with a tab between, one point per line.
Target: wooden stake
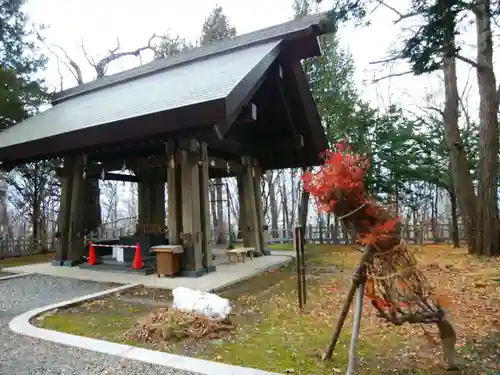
351	365
357	279
298	266
303	264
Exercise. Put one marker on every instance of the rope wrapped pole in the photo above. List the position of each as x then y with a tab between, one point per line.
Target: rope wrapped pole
298	266
351	365
358	277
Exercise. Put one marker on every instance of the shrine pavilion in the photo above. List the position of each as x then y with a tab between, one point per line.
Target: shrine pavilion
236	107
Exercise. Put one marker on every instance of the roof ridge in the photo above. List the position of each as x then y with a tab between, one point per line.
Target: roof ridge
212	49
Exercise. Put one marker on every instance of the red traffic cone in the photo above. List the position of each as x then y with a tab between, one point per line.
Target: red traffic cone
92	258
138	263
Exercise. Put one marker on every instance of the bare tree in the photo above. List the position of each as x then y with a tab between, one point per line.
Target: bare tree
35	186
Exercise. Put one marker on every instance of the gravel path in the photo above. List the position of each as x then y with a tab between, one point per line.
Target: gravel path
22	355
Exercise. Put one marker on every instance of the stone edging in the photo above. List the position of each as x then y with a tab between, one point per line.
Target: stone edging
21	325
15	275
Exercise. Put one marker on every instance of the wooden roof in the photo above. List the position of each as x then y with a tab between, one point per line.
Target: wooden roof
209	94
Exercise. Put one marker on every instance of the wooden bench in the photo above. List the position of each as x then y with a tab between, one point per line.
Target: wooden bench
242	251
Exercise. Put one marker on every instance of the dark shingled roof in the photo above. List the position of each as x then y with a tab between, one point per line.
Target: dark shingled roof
183	94
284	31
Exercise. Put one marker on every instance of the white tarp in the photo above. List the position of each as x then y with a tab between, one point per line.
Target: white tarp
208	304
118	254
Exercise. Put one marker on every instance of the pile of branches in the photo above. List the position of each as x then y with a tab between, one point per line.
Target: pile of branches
172	325
399	291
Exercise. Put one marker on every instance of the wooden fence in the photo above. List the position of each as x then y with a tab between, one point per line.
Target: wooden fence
22	246
317	234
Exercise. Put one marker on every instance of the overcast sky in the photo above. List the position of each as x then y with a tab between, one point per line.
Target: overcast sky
99	22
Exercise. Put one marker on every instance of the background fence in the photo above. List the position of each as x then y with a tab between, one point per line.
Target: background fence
316	234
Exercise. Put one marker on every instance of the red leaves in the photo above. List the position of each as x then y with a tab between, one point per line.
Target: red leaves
340	180
342	171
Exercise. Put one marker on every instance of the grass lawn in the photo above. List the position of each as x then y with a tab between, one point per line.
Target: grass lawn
21	261
272	334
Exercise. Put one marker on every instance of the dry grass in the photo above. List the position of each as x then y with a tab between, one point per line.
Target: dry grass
30	259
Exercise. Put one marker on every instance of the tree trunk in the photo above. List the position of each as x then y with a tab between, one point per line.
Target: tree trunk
220	210
273	203
487	223
455	237
462	180
93	218
284	196
213	208
304	205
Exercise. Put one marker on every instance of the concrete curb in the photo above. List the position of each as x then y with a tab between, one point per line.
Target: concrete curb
21	325
14	276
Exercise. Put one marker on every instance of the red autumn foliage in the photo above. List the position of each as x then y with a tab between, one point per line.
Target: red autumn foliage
338	187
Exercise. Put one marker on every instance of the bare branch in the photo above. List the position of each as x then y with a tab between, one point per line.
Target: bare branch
386	60
402	16
70	64
468	61
61	80
75	68
440	111
393	75
89	59
113	55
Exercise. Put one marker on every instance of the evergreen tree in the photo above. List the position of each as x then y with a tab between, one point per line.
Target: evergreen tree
21	89
216	27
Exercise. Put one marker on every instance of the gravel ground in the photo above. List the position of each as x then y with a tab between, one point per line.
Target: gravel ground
22	355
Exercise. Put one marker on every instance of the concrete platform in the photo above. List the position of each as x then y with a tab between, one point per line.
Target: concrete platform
226	274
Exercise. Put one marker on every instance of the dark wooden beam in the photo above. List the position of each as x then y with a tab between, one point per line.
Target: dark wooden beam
213	173
248	113
311	119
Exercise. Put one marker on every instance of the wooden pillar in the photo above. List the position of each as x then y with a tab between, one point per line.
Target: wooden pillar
156	203
143	206
174	203
206	228
151	202
65	212
76	241
251	211
257	176
243	222
159	203
191	213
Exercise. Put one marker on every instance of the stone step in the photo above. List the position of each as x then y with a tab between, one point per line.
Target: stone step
111	265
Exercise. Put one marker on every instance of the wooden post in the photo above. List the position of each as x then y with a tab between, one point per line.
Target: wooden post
303	264
191	211
298	266
358	277
244	223
174	200
251	209
256	177
65	207
206	228
76	243
351	365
